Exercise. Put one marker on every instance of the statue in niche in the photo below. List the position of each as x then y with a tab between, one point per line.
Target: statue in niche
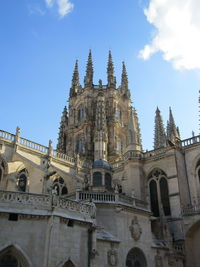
158	260
112	257
135	229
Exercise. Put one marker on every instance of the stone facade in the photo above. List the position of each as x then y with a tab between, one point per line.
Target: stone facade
99	199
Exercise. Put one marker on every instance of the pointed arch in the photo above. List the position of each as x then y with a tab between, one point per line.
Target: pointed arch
13	256
136	258
69	263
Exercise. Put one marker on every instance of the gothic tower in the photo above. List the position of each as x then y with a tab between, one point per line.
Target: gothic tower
101	123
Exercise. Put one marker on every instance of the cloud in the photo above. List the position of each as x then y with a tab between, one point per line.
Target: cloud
35	9
64	6
177	32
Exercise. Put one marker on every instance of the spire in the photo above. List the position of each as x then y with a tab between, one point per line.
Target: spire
110	72
75	81
100	137
61	146
124	81
159	132
134	136
172	133
88	80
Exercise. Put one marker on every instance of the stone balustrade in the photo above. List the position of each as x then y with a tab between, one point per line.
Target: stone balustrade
63	156
191	209
106	197
33	145
7	136
41	201
190	141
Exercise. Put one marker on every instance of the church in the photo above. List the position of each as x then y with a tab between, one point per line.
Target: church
98	199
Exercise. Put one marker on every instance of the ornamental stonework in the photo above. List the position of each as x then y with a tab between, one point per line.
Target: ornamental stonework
112	257
135	229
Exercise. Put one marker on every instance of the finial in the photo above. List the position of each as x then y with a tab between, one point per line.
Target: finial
110	71
124	79
75	81
88	80
159	131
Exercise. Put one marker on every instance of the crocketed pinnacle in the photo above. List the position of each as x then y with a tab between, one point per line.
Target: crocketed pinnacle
88	80
124	81
110	71
172	133
159	132
134	136
75	81
61	135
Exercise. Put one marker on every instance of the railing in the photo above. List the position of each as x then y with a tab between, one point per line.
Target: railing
33	145
154	153
97	196
7	136
41	201
191	209
105	197
190	141
133	154
63	156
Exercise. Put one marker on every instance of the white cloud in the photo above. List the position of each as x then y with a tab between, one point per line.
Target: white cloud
64	6
177	35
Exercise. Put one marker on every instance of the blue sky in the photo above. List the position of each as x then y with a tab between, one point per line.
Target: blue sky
41	39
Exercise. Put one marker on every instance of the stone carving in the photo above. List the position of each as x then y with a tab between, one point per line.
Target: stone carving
112	257
135	229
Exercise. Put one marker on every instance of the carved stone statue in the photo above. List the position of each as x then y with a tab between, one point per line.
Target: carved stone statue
112	257
135	229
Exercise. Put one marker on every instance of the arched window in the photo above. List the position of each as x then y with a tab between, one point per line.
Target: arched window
108	181
154	198
97	179
164	194
80	145
80	115
159	193
12	257
2	168
22	180
59	187
136	258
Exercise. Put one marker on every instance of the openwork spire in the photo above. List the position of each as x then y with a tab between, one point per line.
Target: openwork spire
75	81
61	146
88	80
124	81
134	136
110	72
159	132
172	133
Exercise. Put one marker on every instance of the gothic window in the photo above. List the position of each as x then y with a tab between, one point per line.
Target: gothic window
97	179
80	146
2	169
154	198
118	114
22	180
136	258
159	193
108	181
59	187
11	257
80	113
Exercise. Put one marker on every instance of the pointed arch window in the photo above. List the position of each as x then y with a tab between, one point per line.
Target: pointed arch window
22	180
81	113
159	193
118	114
59	187
119	146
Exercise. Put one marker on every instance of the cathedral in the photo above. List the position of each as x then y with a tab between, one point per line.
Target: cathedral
98	199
